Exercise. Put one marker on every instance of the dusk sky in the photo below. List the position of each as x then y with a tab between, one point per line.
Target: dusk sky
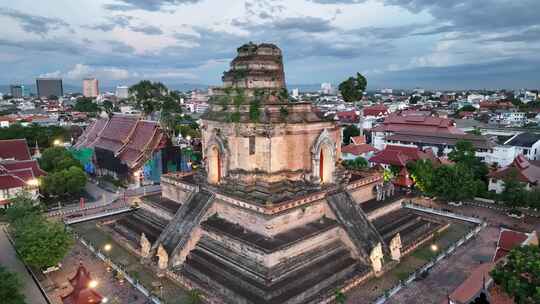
395	43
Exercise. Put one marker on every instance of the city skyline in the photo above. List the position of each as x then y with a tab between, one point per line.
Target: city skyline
395	43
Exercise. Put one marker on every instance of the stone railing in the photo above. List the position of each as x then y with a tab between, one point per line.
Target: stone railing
427	267
362	182
107	212
443	213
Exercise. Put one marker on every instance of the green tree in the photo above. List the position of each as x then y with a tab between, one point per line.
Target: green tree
22	206
356	164
519	276
464	153
65	183
514	193
467	108
423	175
41	243
87	105
194	296
340	297
148	95
57	159
108	107
10	287
348	132
44	136
455	182
353	88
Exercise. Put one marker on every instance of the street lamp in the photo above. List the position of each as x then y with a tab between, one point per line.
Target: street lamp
57	142
434	247
93	284
107	247
33	182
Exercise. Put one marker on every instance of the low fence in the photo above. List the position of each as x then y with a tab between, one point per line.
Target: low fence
134	282
107	212
443	213
427	267
490	204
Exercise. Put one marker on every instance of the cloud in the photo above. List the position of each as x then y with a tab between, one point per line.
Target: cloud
81	71
125	22
338	1
147	5
32	23
304	24
146	29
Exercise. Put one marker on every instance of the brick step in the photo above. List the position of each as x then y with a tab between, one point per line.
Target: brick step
399	225
268	244
207	268
262	273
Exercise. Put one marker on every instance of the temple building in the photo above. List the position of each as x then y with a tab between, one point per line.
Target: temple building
126	147
82	292
272	217
18	171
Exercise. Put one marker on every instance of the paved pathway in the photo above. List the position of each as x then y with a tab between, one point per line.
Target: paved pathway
9	259
451	272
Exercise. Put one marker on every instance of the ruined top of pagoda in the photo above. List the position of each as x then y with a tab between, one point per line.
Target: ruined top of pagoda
256	66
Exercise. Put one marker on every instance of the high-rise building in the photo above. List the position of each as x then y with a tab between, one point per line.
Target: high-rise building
18	91
49	87
326	88
90	87
122	92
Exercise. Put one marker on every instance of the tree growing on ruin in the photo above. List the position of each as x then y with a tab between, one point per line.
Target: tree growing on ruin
353	88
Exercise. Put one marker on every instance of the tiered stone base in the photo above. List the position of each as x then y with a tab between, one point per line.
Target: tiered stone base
309	277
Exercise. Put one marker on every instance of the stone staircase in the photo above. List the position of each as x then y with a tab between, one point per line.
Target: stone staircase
178	231
360	230
306	278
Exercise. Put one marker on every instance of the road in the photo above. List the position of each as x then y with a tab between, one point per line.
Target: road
9	259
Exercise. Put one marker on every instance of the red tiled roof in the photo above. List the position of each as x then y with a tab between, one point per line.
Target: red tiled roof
508	240
473	285
117	132
141	142
400	155
348	116
90	135
420	122
358	149
375	110
131	139
404	179
32	165
523	169
358	140
14	149
8	181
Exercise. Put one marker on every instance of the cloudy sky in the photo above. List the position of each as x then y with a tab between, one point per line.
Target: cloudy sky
395	43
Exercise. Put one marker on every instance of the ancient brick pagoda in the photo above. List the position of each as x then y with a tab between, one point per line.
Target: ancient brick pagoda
273	217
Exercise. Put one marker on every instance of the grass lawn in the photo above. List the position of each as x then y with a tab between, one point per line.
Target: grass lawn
374	288
172	293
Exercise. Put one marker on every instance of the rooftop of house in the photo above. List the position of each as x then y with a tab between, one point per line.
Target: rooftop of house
400	155
479	141
375	110
16	149
127	136
525	139
358	149
521	168
417	121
